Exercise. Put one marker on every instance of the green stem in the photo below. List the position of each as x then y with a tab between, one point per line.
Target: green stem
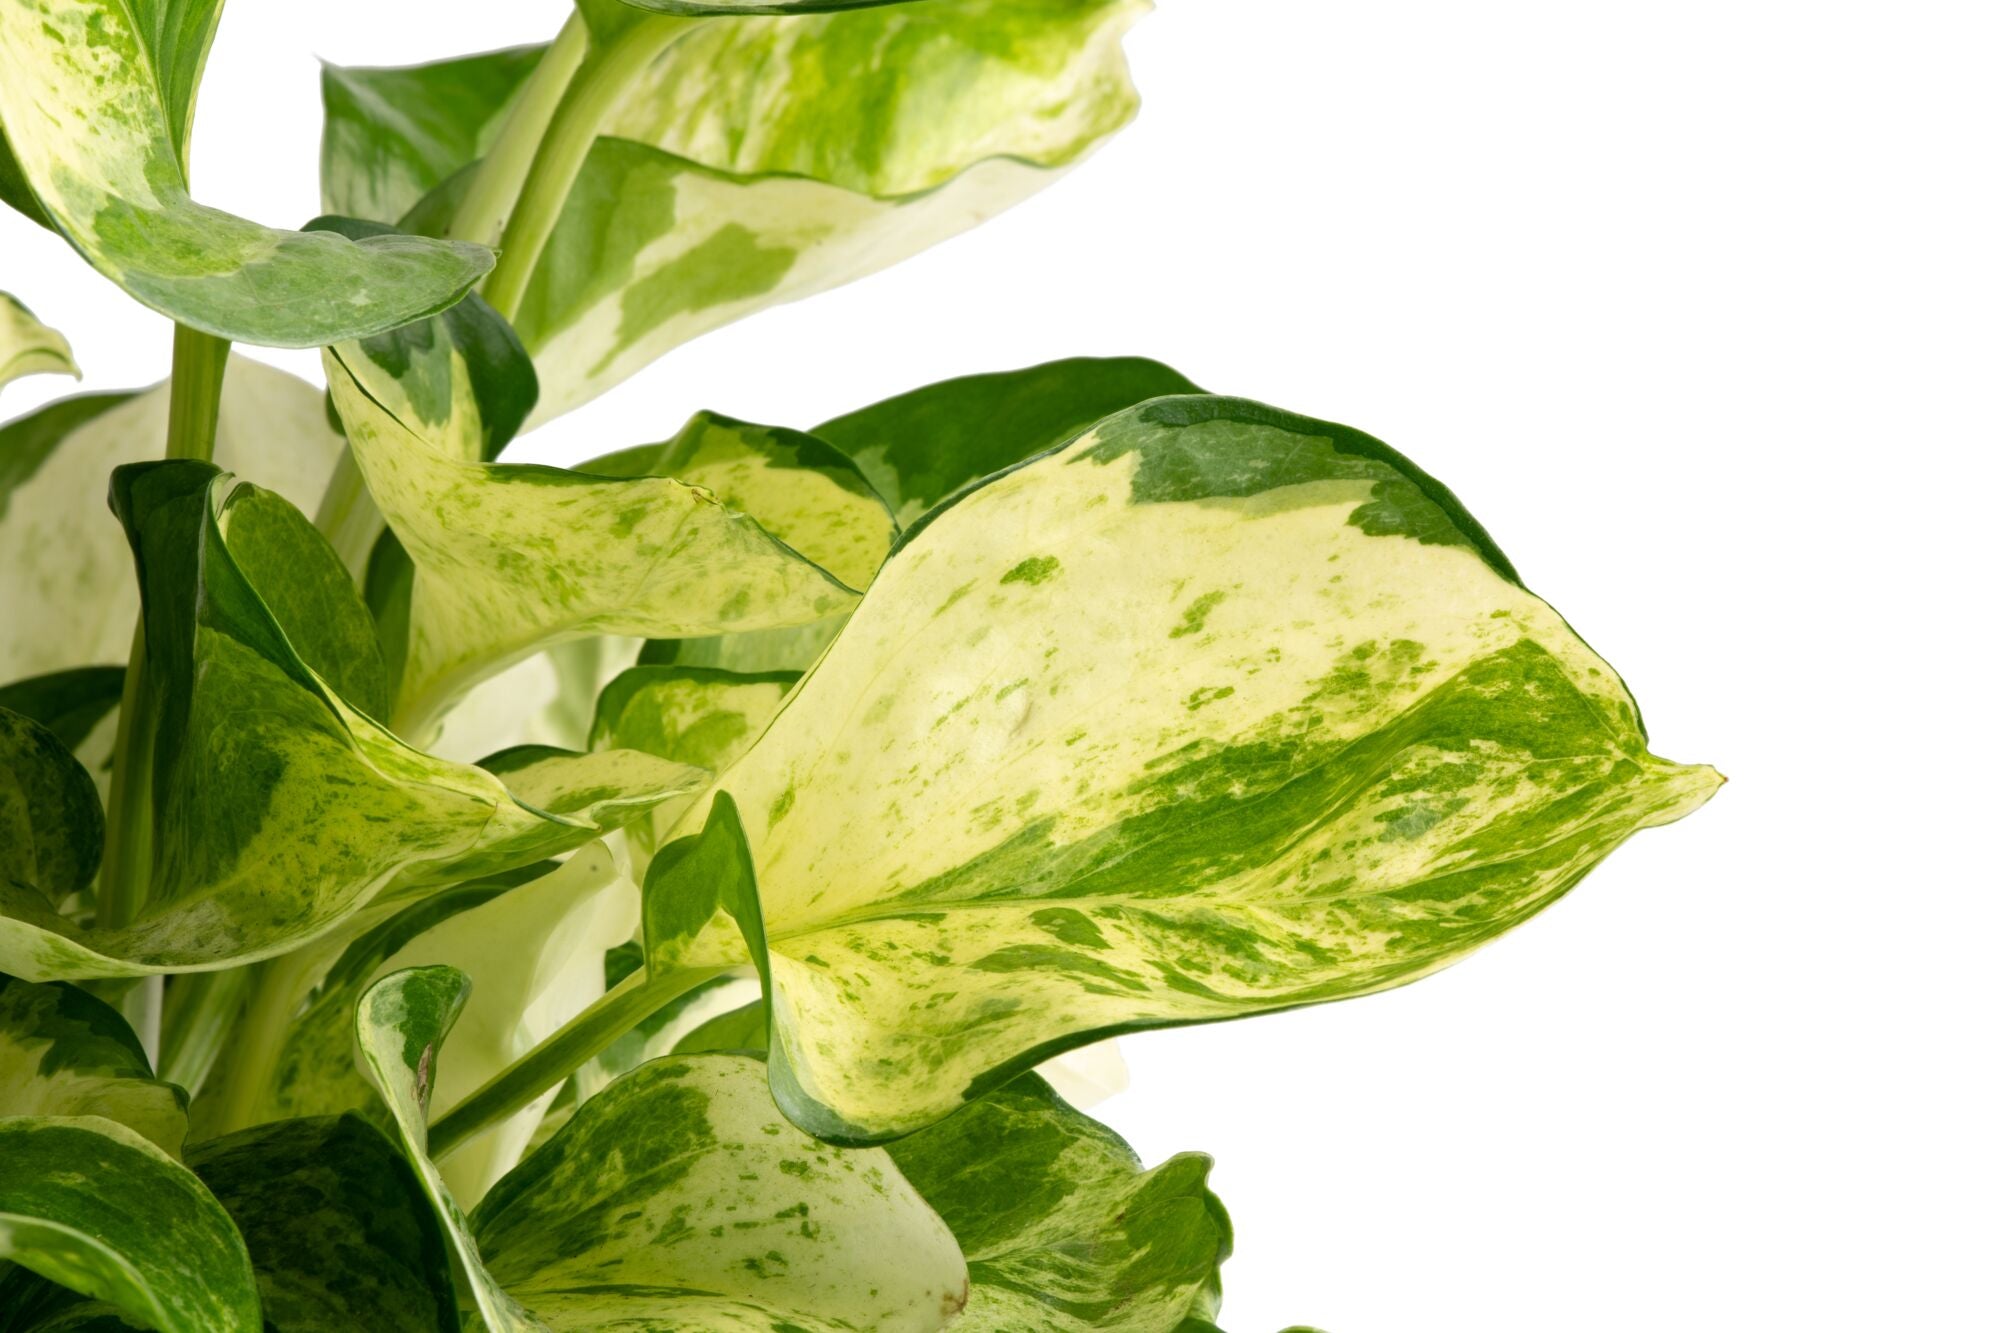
348	517
497	181
196	400
619	1010
201	1009
273	991
603	78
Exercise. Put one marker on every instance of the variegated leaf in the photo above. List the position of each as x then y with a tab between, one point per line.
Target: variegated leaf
919	447
94	1207
90	116
30	347
1062	1229
399	1031
759	161
691	715
278	808
338	1228
532	955
717	8
1215	710
65	571
509	560
680	1198
71	704
64	1052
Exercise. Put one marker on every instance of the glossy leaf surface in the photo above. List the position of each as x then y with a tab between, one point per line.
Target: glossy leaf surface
118	191
51	825
64	1052
1213	711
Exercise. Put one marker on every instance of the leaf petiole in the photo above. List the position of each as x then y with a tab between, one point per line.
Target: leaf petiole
497	180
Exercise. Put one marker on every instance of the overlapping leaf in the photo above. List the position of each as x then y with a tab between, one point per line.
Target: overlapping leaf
531	953
760	160
279	808
510	559
65	569
30	347
1215	710
94	1207
1062	1229
64	1052
95	96
678	1197
338	1229
51	825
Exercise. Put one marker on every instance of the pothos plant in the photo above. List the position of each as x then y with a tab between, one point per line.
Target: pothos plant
828	783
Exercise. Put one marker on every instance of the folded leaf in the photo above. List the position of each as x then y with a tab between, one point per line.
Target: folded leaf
118	193
1215	710
71	704
532	954
1062	1229
339	1231
92	1206
30	347
279	808
919	447
65	570
759	161
64	1052
691	715
510	559
399	1028
680	1198
51	825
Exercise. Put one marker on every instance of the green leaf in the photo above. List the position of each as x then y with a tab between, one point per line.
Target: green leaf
392	135
680	1198
511	559
51	822
93	1206
1215	710
280	809
920	446
399	1027
1062	1229
758	161
339	1231
532	956
95	96
64	1052
65	571
30	347
71	704
699	8
801	490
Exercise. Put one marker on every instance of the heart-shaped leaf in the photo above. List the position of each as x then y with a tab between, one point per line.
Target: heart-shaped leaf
1313	741
94	95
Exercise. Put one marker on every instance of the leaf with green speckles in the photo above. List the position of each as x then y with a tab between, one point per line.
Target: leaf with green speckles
1062	1229
691	715
65	571
532	955
95	96
93	1206
338	1227
760	160
280	809
400	1027
508	560
51	821
64	1052
920	446
30	347
718	8
71	704
995	822
680	1198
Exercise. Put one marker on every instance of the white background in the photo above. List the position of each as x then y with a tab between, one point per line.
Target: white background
1695	305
